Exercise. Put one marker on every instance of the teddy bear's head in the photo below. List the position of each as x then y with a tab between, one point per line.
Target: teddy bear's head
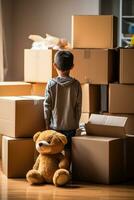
49	142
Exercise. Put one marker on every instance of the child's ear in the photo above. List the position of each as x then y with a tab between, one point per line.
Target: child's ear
54	65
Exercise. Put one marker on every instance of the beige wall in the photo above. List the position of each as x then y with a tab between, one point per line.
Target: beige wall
39	17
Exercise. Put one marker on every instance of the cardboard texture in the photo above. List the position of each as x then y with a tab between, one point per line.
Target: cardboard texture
107	126
17	156
90	98
94	31
38	89
121	98
129	127
38	65
97	159
93	66
84	118
15	88
21	116
0	146
126	66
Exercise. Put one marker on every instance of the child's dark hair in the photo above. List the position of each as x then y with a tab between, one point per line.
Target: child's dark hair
64	60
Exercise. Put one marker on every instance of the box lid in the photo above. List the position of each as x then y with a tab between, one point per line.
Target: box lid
105	125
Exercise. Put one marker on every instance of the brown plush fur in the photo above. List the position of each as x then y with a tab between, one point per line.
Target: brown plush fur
51	165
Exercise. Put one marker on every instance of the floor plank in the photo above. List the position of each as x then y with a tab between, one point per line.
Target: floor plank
19	189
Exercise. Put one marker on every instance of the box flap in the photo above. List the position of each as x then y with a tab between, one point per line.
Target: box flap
108	126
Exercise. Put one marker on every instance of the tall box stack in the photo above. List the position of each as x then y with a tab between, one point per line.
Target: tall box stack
121	96
20	118
14	88
94	56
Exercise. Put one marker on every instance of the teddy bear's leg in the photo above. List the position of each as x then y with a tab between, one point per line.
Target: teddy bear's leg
61	177
34	177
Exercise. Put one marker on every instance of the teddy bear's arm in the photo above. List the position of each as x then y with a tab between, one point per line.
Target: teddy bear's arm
64	163
36	165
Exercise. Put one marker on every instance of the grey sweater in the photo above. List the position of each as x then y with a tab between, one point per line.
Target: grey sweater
62	104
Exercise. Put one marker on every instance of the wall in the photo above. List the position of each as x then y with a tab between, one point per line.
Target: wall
40	17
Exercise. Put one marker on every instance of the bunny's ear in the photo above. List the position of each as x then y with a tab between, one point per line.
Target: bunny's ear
36	135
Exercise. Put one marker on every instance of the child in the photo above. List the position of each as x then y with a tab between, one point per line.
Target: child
63	99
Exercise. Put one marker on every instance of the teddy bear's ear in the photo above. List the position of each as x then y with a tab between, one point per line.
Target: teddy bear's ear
36	135
62	138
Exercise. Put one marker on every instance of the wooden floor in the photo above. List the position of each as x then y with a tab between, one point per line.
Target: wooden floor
19	189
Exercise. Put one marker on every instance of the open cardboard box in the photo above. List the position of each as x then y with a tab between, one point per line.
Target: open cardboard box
107	126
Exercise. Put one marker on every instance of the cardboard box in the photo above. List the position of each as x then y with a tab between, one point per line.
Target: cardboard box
126	66
129	127
94	31
90	98
38	65
107	126
15	88
84	118
121	98
97	159
93	66
21	116
17	156
38	89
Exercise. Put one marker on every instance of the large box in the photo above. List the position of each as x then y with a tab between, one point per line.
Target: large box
15	88
21	116
38	65
17	156
93	66
126	66
38	89
121	98
97	159
90	98
107	126
94	31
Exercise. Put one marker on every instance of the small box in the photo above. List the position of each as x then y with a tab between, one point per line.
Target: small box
107	126
90	98
17	156
126	66
15	88
121	98
38	65
93	66
21	116
94	31
38	89
97	159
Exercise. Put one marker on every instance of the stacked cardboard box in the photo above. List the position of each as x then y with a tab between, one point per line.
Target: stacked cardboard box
20	118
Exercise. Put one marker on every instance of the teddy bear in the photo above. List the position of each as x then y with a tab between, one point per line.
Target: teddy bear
51	165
